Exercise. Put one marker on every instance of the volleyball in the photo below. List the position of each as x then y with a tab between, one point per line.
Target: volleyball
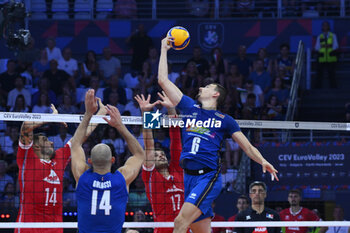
181	37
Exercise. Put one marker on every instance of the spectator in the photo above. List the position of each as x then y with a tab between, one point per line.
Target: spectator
201	63
190	80
173	76
26	70
66	107
243	63
109	65
257	211
234	78
297	213
213	75
44	85
279	91
137	196
140	43
250	87
43	105
286	60
39	66
242	204
338	215
4	178
232	154
61	138
114	87
326	46
68	64
261	77
111	136
94	84
19	90
133	108
148	81
7	141
347	112
20	105
199	8
126	9
273	109
219	61
52	51
113	99
10	198
28	54
131	79
262	55
57	78
88	67
7	79
153	60
250	111
217	218
229	175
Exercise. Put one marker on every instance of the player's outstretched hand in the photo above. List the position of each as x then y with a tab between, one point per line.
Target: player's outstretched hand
54	111
90	102
166	102
145	104
116	119
103	108
266	166
166	42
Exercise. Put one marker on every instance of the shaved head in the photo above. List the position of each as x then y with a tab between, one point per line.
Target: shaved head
101	156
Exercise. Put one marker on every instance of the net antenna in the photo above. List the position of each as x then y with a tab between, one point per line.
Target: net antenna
293	94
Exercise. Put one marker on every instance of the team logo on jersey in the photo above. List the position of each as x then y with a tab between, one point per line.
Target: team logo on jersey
287	217
151	120
220	115
174	189
52	178
247	217
300	217
193	196
270	216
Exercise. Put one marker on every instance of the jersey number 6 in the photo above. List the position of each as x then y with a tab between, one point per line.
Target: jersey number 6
195	145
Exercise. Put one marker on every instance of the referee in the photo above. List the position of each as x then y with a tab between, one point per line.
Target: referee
258	211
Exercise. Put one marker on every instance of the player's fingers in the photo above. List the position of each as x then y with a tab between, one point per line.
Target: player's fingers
148	98
163	92
264	168
160	95
143	97
106	119
64	124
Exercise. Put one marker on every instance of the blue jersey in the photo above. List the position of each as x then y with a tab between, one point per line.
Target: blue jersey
203	134
102	202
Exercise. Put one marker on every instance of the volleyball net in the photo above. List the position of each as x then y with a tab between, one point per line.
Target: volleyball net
314	160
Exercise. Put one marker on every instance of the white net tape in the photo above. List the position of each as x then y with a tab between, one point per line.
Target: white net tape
137	120
171	224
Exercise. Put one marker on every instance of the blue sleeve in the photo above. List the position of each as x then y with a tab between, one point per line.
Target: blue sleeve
185	103
231	125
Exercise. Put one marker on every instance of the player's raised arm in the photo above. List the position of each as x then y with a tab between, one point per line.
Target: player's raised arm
27	128
172	91
145	106
253	153
79	165
132	166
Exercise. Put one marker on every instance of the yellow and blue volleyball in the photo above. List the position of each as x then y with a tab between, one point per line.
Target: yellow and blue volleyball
181	37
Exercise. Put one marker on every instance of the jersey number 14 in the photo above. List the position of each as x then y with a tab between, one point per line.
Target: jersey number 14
104	203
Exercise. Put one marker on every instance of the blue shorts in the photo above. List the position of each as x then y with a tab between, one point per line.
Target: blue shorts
202	190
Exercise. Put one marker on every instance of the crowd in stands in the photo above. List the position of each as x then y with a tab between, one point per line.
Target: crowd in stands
257	89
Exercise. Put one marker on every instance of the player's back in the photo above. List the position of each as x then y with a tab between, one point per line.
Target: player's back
101	201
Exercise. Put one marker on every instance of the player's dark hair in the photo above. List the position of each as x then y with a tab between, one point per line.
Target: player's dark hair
244	197
36	137
258	183
284	45
295	191
221	99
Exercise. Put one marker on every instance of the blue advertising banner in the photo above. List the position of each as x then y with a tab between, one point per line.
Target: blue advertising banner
325	166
